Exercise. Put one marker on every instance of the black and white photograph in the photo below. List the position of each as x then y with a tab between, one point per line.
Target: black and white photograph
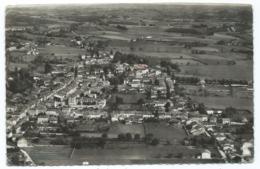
128	84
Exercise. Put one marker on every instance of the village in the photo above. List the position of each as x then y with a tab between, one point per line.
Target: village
101	99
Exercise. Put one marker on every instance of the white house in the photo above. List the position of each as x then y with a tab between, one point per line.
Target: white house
22	142
206	154
209	112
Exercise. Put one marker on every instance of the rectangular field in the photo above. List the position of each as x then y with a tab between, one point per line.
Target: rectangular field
118	128
62	155
224	102
164	132
221	71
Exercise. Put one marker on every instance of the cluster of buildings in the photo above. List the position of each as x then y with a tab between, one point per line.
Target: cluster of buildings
214	125
26	52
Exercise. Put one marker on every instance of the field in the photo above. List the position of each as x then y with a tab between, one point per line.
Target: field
186	62
223	102
12	66
168	55
211	59
61	51
61	155
222	71
118	128
162	131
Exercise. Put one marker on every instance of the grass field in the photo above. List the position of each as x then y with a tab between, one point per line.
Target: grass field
61	155
117	128
223	102
63	51
174	134
186	62
222	71
169	55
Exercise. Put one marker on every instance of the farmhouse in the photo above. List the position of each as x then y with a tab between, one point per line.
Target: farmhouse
225	120
42	119
206	154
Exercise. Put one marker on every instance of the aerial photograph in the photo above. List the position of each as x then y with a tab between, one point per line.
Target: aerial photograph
122	84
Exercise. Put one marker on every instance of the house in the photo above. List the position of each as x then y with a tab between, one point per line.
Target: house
246	149
13	121
159	103
77	114
225	120
213	119
210	112
198	117
59	97
220	136
52	113
42	119
219	112
22	142
53	120
164	116
72	101
197	130
204	118
206	154
11	108
228	147
148	116
96	114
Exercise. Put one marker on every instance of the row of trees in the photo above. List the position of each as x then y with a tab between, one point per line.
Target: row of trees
128	137
195	80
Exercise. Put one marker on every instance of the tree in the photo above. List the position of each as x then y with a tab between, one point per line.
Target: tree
119	100
229	112
137	137
167	106
201	108
140	101
148	137
156	82
179	155
104	135
101	143
76	71
128	136
155	142
26	125
47	68
121	136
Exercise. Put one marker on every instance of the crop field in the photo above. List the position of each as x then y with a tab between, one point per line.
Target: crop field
162	131
63	51
211	59
50	155
185	62
61	155
224	102
221	71
170	55
12	66
117	128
